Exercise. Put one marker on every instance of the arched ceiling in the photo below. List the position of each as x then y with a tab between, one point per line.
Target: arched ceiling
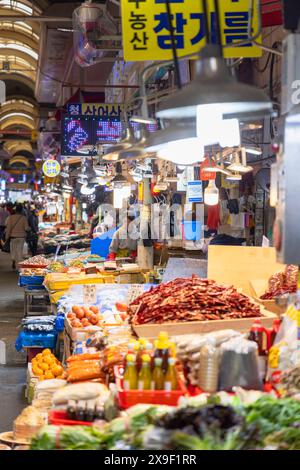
19	52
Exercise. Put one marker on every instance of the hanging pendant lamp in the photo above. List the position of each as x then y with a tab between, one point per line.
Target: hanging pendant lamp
214	85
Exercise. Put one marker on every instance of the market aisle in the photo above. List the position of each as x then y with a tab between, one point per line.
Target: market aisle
13	374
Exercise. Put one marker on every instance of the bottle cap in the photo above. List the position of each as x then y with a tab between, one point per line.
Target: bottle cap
148	346
158	361
142	342
136	346
146	358
163	335
130	358
171	361
130	346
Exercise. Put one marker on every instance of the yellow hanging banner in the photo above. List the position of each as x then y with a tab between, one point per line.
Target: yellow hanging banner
146	30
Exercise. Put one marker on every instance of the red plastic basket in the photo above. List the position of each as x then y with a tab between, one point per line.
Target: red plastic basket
128	398
59	417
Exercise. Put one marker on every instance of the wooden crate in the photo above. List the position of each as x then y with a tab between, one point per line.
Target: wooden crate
259	287
151	330
238	265
72	332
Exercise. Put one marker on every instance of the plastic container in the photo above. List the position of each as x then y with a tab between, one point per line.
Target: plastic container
128	398
24	265
59	417
100	245
192	230
209	368
34	339
25	281
60	322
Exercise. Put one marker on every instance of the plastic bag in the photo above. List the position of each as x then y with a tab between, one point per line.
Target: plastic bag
239	365
283	354
25	249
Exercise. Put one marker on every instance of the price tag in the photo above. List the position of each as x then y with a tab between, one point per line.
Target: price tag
89	294
134	291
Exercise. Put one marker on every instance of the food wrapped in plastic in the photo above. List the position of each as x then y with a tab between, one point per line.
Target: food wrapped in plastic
239	365
97	340
291	274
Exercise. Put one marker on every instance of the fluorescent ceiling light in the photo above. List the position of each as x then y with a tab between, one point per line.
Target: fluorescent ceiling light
87	190
21	48
254	151
143	120
237	166
18	6
6	116
234	177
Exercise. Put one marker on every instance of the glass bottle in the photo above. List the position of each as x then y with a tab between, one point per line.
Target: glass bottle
142	343
162	349
130	375
171	382
158	376
144	379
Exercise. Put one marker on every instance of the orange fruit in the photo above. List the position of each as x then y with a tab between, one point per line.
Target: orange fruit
44	366
46	352
39	357
37	371
57	370
49	360
48	375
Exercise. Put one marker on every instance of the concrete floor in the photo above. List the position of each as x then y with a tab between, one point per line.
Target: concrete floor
13	373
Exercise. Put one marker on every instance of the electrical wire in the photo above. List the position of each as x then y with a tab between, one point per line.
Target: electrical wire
174	49
206	27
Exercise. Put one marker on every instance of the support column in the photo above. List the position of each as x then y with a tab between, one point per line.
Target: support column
145	253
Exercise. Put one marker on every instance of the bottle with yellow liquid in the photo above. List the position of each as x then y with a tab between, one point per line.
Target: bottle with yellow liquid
171	382
144	377
158	376
130	380
162	345
141	350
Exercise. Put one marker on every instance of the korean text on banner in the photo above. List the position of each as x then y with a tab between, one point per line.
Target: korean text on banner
146	29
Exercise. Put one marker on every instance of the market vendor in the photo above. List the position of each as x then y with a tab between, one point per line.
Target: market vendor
125	239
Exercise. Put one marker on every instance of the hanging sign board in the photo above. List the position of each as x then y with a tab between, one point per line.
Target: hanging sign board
146	30
110	110
194	191
51	168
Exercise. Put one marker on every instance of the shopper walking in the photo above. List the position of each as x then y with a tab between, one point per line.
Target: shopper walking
32	236
4	214
16	230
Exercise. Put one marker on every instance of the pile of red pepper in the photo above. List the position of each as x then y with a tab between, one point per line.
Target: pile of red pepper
192	299
282	283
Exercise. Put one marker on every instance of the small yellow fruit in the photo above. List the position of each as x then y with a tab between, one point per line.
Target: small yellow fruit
39	357
49	360
57	370
48	375
37	371
46	352
44	366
